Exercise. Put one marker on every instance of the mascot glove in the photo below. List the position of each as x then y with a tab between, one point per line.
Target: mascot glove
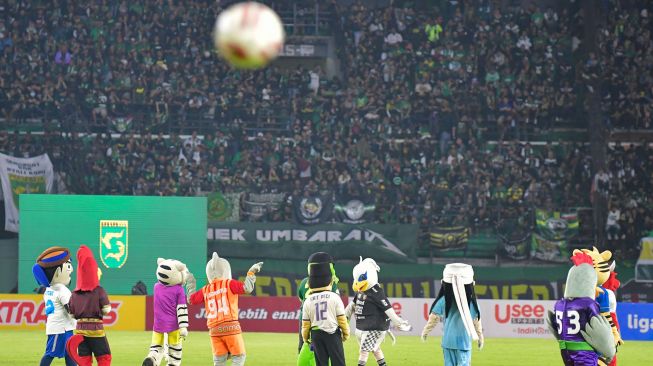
404	326
424	336
618	341
183	333
191	284
344	336
256	268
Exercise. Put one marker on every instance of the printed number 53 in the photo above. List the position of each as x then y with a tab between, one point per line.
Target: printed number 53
574	321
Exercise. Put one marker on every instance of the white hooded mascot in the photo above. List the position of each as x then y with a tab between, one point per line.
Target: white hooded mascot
373	312
457	308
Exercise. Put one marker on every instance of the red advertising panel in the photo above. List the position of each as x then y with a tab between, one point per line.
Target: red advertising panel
257	314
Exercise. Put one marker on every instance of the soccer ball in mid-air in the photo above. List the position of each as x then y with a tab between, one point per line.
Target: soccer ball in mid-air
248	35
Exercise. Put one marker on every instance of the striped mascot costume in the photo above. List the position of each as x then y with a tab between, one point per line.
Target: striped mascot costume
170	312
602	266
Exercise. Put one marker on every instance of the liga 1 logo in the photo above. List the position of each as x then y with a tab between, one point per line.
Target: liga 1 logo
114	241
30	313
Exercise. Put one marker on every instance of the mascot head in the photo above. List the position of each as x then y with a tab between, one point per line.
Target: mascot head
218	268
581	279
88	272
601	262
365	274
53	266
458	291
612	283
170	272
320	270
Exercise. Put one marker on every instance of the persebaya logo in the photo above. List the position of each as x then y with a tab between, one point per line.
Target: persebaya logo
113	242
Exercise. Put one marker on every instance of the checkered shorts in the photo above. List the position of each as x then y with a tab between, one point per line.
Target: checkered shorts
370	340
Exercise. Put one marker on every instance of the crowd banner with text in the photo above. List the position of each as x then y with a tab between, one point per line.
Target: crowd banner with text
385	243
223	206
257	205
449	238
28	312
23	176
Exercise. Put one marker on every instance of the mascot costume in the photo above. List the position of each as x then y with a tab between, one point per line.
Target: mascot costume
582	333
306	356
601	262
457	308
324	324
373	312
612	284
88	304
53	270
220	298
170	312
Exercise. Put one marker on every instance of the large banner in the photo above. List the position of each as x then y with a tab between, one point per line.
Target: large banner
23	176
313	209
516	247
449	238
636	321
556	225
501	318
354	209
553	229
257	205
549	250
256	314
126	234
384	243
223	206
28	312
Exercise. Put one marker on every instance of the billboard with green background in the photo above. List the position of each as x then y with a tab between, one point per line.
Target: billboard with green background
126	234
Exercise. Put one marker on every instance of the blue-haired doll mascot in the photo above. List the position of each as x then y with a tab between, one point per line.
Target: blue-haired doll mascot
53	270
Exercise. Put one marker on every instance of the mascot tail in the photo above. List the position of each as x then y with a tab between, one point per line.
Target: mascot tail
71	349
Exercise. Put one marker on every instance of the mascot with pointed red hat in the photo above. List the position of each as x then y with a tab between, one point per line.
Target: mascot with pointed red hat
88	304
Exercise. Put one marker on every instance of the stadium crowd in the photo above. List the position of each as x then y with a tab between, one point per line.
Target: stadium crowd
409	122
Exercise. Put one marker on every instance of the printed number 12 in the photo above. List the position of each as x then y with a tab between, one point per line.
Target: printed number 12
320	310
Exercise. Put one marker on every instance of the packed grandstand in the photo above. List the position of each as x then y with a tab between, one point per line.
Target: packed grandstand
468	114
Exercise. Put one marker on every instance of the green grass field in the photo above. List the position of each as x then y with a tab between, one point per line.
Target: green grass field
268	349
